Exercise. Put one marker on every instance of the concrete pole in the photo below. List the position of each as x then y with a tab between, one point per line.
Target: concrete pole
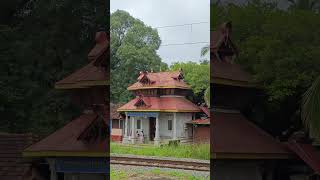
53	174
157	135
133	131
125	138
175	126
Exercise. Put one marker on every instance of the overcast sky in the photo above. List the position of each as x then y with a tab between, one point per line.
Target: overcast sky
158	13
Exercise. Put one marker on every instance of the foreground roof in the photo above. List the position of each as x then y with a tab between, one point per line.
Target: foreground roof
66	142
234	137
160	80
226	73
11	162
161	104
93	74
89	75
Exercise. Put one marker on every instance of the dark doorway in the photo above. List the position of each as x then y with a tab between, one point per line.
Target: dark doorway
152	128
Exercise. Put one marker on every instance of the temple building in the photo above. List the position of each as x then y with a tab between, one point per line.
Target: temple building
240	149
160	111
80	149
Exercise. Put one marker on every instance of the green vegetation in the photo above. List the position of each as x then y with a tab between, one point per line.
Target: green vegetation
197	75
133	49
281	48
139	173
196	151
40	43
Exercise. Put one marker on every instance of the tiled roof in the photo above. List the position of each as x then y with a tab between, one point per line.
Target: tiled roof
95	72
232	133
11	162
169	104
200	121
307	153
67	139
160	80
114	114
227	71
86	76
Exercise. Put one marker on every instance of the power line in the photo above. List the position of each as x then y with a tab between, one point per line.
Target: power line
177	25
189	43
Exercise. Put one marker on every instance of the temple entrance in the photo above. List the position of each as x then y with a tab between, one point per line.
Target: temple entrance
152	128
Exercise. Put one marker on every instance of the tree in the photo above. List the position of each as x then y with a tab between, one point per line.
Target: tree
311	109
133	49
280	48
40	43
313	5
197	76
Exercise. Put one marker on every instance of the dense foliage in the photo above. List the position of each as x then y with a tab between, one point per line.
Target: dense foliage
40	43
197	75
280	47
133	49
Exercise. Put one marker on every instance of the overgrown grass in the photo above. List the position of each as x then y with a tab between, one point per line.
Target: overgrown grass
122	174
195	151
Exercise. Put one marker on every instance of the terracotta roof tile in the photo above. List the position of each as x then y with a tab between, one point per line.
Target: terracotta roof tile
11	162
113	111
66	138
162	104
228	71
84	76
161	80
233	133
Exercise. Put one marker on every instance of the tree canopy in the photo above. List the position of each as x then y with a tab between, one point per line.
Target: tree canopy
197	75
40	43
279	47
133	49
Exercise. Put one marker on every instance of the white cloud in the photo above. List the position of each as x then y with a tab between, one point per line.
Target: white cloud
157	13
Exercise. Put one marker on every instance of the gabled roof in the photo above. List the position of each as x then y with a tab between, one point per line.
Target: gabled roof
160	80
66	141
230	74
161	104
234	137
89	75
307	153
11	162
114	114
93	74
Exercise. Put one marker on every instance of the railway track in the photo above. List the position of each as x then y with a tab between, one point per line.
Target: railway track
160	162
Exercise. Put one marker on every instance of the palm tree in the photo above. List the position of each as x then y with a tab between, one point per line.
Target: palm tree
311	109
205	50
305	4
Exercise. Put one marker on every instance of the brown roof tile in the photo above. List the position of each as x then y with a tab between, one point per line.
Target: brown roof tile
67	139
161	80
233	133
176	104
11	162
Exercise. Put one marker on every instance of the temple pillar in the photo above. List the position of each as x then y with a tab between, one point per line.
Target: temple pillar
133	131
157	134
174	126
53	173
125	137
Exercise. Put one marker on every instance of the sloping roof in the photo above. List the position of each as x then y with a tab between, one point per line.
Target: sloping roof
232	133
200	121
66	142
223	72
205	110
114	114
307	153
11	162
160	80
89	75
161	104
92	74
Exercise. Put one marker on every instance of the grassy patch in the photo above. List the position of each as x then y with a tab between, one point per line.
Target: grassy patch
121	174
196	151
